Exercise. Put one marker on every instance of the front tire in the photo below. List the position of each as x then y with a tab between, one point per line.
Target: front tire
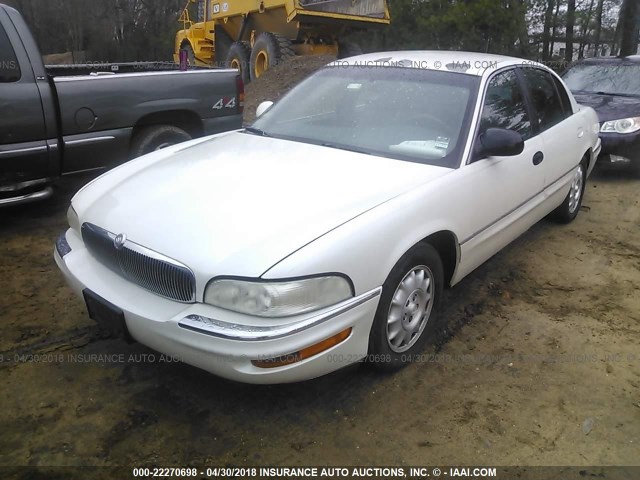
405	317
568	211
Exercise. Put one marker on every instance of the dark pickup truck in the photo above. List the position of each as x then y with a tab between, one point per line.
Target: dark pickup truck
60	120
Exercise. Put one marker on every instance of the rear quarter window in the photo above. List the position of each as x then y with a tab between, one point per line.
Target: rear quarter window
564	97
544	97
9	68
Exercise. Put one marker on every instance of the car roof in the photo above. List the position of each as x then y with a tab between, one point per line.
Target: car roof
597	60
470	63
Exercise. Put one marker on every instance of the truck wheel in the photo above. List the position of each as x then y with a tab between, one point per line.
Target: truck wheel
239	57
191	56
405	316
269	50
156	137
348	49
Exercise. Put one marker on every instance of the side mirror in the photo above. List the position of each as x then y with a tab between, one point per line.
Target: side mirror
500	142
263	107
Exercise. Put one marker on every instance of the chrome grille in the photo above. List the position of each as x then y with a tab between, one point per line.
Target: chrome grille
150	270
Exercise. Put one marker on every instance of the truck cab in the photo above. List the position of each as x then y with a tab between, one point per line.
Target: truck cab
29	148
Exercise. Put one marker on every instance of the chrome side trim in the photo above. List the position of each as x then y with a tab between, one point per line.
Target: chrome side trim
15	187
470	237
20	151
86	170
254	333
84	141
31	197
133	75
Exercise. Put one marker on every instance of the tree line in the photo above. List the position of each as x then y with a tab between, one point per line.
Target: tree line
546	30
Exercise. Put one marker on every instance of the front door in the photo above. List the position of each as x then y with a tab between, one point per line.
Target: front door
502	192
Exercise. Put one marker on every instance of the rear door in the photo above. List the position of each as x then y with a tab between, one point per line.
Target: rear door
23	149
561	131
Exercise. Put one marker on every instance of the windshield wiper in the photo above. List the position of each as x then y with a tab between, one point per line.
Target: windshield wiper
631	95
256	131
344	147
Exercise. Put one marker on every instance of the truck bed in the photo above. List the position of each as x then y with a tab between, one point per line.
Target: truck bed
101	112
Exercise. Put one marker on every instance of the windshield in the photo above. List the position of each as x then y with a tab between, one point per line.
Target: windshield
403	113
609	77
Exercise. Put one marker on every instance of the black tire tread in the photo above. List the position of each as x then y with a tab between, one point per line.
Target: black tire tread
241	51
144	138
280	46
561	214
378	347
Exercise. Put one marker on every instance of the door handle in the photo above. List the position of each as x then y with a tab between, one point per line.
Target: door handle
580	132
537	158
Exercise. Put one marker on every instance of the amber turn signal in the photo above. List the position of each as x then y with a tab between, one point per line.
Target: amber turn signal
307	352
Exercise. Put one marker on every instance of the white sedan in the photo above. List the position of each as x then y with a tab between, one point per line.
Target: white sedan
324	234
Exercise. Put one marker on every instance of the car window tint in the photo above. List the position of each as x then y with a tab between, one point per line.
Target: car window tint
410	114
608	76
504	105
544	97
9	68
564	98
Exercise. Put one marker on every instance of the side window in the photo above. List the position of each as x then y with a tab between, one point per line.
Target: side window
9	68
544	97
564	98
504	105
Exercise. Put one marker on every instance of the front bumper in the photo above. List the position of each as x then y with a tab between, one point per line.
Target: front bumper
221	342
620	148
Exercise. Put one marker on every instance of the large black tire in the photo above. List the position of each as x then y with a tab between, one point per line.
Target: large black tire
394	343
222	44
191	56
156	137
348	49
239	57
568	211
268	51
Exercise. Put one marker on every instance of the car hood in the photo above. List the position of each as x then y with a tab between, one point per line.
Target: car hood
237	204
610	107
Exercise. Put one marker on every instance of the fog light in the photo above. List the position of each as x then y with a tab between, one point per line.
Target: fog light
619	159
307	352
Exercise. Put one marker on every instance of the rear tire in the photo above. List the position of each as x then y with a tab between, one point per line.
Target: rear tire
568	211
268	51
156	137
239	57
348	49
405	317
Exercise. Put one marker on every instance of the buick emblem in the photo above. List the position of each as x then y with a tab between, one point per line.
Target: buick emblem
119	241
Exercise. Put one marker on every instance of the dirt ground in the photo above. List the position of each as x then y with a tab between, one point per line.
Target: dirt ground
540	365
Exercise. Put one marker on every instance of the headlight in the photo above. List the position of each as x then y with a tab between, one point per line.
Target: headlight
278	298
624	125
72	218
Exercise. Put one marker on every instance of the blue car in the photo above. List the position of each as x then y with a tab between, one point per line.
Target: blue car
611	86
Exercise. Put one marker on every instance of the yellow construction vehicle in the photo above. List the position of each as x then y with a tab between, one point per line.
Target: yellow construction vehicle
254	35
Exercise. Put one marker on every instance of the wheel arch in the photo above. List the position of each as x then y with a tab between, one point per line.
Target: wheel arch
589	157
446	244
187	120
